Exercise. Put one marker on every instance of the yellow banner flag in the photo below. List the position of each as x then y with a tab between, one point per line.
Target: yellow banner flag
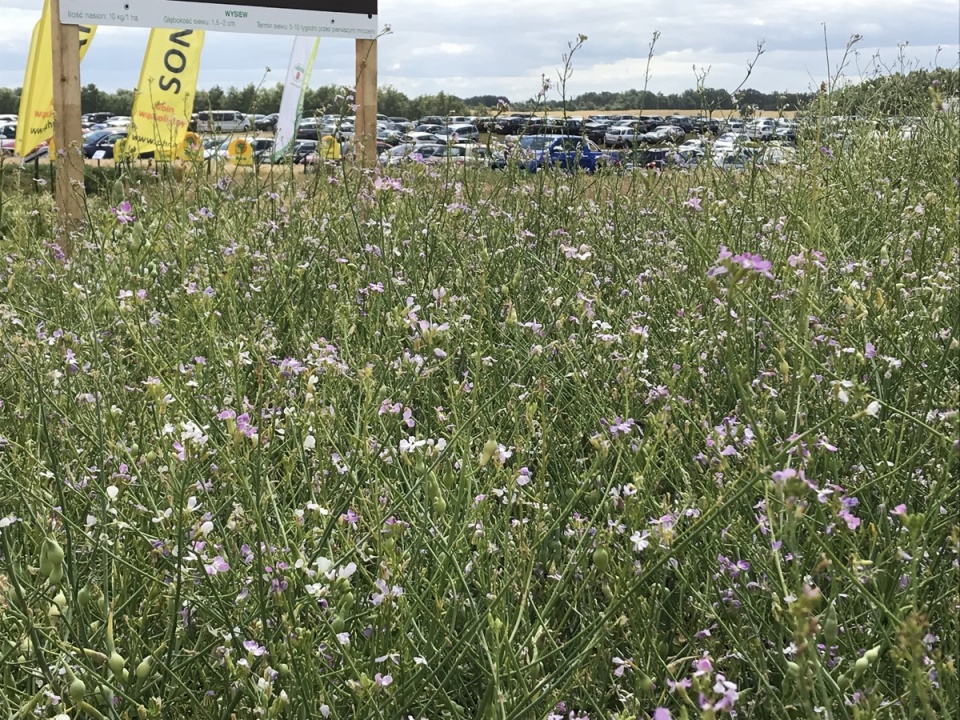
35	119
168	84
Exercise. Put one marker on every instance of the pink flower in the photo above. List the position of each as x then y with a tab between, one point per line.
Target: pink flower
661	713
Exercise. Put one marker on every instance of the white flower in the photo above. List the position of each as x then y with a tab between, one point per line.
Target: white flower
309	442
411	444
873	409
640	541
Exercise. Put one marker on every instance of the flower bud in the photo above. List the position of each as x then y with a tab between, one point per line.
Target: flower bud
144	668
601	559
116	663
77	690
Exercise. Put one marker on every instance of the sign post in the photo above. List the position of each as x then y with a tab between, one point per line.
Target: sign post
67	134
365	130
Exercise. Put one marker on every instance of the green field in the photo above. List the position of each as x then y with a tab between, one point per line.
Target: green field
457	443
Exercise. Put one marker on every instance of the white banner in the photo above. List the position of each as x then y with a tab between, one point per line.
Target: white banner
302	55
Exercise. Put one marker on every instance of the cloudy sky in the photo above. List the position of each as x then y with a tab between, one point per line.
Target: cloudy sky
503	46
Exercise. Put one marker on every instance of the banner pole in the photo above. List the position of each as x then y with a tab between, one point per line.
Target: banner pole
67	133
365	130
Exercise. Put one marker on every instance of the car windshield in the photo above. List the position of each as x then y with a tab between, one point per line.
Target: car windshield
535	142
95	136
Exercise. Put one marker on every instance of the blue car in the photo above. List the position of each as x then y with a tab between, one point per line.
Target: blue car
570	152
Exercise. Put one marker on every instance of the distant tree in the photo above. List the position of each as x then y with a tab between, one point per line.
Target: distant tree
392	103
9	101
91	98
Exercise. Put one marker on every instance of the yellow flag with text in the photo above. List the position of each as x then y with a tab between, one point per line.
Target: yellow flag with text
168	84
35	119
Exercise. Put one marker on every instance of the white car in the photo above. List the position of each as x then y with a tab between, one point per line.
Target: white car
118	121
7	119
621	135
458	154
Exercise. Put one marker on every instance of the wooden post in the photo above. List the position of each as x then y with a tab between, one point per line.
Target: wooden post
365	130
67	133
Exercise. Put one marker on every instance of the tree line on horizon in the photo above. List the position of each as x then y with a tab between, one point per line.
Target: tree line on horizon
889	94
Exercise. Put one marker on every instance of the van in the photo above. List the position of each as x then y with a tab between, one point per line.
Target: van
222	121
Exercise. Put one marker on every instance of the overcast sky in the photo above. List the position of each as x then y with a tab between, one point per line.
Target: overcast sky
503	46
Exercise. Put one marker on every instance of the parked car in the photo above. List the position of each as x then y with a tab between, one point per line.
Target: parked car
221	121
308	129
458	133
618	136
105	141
6	119
8	131
268	123
564	151
663	134
419	137
681	121
8	149
258	147
458	154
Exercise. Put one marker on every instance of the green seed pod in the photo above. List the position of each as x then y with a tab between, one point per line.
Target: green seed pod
872	654
116	663
489	448
77	690
284	670
793	670
780	414
860	666
60	600
420	467
844	682
56	575
601	559
830	626
646	684
84	596
439	506
338	624
348	599
144	668
53	551
449	478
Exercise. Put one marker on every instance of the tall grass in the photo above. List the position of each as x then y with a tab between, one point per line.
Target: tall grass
450	443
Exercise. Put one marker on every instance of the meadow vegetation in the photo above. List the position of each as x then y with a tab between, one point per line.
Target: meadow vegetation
455	443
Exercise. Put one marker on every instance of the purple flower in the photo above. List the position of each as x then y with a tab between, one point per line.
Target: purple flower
244	426
781	476
217	565
254	648
661	713
703	666
123	213
675	685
